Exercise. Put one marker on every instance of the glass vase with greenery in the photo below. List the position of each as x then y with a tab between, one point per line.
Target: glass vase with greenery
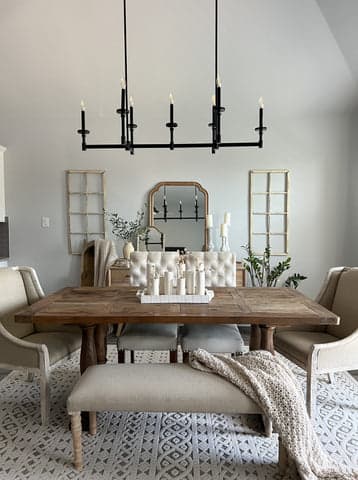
262	274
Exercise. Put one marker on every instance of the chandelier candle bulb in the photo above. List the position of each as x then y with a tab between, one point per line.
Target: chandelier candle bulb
227	218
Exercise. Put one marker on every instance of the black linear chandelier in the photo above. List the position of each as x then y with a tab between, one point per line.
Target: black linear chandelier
127	114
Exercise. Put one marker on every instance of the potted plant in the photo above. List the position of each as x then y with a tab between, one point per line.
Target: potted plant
262	274
127	230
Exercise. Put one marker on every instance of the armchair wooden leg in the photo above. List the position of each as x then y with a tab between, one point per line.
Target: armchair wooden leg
311	394
76	430
92	423
121	356
45	397
173	356
282	457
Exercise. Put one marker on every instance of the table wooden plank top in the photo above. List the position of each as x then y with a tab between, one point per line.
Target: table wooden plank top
90	305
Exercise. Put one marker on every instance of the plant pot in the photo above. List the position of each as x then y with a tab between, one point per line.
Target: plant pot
128	248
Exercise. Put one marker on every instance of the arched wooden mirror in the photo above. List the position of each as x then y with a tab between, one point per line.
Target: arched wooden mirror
179	209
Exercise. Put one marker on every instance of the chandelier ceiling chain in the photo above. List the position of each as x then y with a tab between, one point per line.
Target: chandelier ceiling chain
126	112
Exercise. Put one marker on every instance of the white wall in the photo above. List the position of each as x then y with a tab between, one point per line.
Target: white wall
55	53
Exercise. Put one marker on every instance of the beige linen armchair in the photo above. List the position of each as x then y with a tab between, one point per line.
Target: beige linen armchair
31	347
325	350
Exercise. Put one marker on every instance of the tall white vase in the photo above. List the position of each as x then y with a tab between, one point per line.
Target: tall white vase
128	248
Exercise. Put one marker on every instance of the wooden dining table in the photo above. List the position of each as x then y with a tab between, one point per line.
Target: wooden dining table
93	309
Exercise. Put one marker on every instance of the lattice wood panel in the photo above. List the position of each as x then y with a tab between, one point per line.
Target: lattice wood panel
85	207
268	211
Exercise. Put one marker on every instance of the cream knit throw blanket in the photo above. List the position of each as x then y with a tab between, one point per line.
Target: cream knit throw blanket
271	384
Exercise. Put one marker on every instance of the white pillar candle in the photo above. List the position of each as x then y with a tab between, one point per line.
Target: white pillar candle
155	286
181	286
209	220
227	218
190	281
168	283
200	284
223	230
150	274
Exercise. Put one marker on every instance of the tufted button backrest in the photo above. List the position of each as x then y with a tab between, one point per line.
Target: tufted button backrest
138	265
220	267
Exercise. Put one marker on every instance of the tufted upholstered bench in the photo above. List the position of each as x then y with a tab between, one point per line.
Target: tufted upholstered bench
152	388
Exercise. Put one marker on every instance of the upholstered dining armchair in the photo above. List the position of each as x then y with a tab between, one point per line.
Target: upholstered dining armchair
149	336
33	348
220	271
325	350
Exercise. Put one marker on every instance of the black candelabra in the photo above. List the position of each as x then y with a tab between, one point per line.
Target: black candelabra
127	114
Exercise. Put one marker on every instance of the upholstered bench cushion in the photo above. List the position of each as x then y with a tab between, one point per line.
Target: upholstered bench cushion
148	336
298	344
156	388
223	338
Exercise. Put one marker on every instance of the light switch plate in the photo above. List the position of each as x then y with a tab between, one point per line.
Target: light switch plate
45	222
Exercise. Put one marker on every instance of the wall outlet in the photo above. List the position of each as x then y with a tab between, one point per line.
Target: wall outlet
45	222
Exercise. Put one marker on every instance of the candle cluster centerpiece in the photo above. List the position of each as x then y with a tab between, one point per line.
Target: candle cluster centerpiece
126	112
180	286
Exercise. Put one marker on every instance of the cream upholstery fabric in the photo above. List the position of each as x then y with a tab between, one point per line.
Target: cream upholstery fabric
13	298
59	344
156	388
148	336
21	346
216	338
220	267
220	271
334	349
345	304
138	267
298	344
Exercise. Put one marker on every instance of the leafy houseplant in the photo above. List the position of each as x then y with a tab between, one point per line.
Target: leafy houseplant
263	275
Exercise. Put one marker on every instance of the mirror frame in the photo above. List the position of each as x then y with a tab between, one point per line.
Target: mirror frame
179	184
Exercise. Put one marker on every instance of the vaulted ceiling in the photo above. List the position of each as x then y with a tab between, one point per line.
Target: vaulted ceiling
342	19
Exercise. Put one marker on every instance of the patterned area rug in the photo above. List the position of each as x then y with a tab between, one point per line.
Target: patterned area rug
148	446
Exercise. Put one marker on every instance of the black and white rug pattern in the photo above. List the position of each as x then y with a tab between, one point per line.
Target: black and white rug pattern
152	446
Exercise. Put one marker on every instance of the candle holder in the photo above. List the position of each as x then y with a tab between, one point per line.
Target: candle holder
210	239
224	244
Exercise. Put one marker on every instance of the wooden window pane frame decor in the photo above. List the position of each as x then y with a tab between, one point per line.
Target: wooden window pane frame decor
85	208
268	211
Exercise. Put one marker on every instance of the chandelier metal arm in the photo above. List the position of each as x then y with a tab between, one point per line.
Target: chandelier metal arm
168	145
126	113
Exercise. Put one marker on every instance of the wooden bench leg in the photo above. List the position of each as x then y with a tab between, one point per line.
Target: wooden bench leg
92	423
173	356
186	357
282	457
76	429
121	356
